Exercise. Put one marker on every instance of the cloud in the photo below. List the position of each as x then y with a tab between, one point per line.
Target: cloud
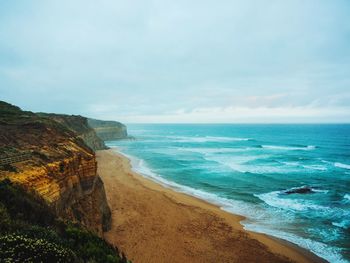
148	58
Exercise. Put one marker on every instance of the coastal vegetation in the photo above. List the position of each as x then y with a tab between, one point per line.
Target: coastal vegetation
30	232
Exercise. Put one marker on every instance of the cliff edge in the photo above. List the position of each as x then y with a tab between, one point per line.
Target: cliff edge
108	130
52	162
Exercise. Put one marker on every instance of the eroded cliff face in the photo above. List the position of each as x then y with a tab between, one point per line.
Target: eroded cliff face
93	141
57	166
109	130
80	126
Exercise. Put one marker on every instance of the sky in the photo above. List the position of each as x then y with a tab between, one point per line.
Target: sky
162	61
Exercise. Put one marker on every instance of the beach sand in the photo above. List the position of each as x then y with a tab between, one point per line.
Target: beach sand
151	223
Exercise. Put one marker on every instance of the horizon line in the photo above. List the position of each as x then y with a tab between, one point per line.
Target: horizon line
242	123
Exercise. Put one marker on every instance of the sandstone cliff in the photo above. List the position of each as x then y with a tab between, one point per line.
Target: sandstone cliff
109	130
53	162
79	125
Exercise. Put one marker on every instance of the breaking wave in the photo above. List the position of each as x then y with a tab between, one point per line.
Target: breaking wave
342	165
250	211
275	199
206	139
289	148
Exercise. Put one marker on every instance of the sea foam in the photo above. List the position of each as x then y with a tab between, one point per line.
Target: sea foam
347	196
252	212
342	165
279	157
275	199
204	139
322	250
289	148
342	224
242	164
205	151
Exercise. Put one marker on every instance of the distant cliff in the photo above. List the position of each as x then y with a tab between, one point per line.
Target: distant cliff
79	125
109	130
52	162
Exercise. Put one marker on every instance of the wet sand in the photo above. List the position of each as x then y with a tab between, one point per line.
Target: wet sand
151	223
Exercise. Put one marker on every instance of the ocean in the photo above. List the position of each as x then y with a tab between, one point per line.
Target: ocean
289	181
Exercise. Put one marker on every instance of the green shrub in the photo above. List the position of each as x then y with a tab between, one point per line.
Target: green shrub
19	248
37	232
5	221
89	246
29	232
23	206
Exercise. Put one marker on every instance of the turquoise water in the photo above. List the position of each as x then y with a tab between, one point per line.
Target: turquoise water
290	181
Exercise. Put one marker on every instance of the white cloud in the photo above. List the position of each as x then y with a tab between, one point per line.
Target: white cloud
171	58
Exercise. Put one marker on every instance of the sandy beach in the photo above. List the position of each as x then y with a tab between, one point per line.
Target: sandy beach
151	223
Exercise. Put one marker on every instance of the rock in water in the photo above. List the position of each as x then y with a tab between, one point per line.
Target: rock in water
300	190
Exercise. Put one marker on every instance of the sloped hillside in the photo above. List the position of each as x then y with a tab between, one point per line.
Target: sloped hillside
80	126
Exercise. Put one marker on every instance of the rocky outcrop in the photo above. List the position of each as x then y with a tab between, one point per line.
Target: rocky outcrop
62	169
109	130
80	126
300	190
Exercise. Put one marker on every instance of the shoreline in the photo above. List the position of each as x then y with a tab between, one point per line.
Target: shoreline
179	226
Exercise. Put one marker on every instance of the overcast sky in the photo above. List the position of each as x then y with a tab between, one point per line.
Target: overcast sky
178	61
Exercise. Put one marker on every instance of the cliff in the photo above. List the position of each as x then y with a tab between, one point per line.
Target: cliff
52	162
80	126
108	130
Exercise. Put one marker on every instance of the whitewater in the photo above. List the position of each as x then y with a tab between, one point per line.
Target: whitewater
289	181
